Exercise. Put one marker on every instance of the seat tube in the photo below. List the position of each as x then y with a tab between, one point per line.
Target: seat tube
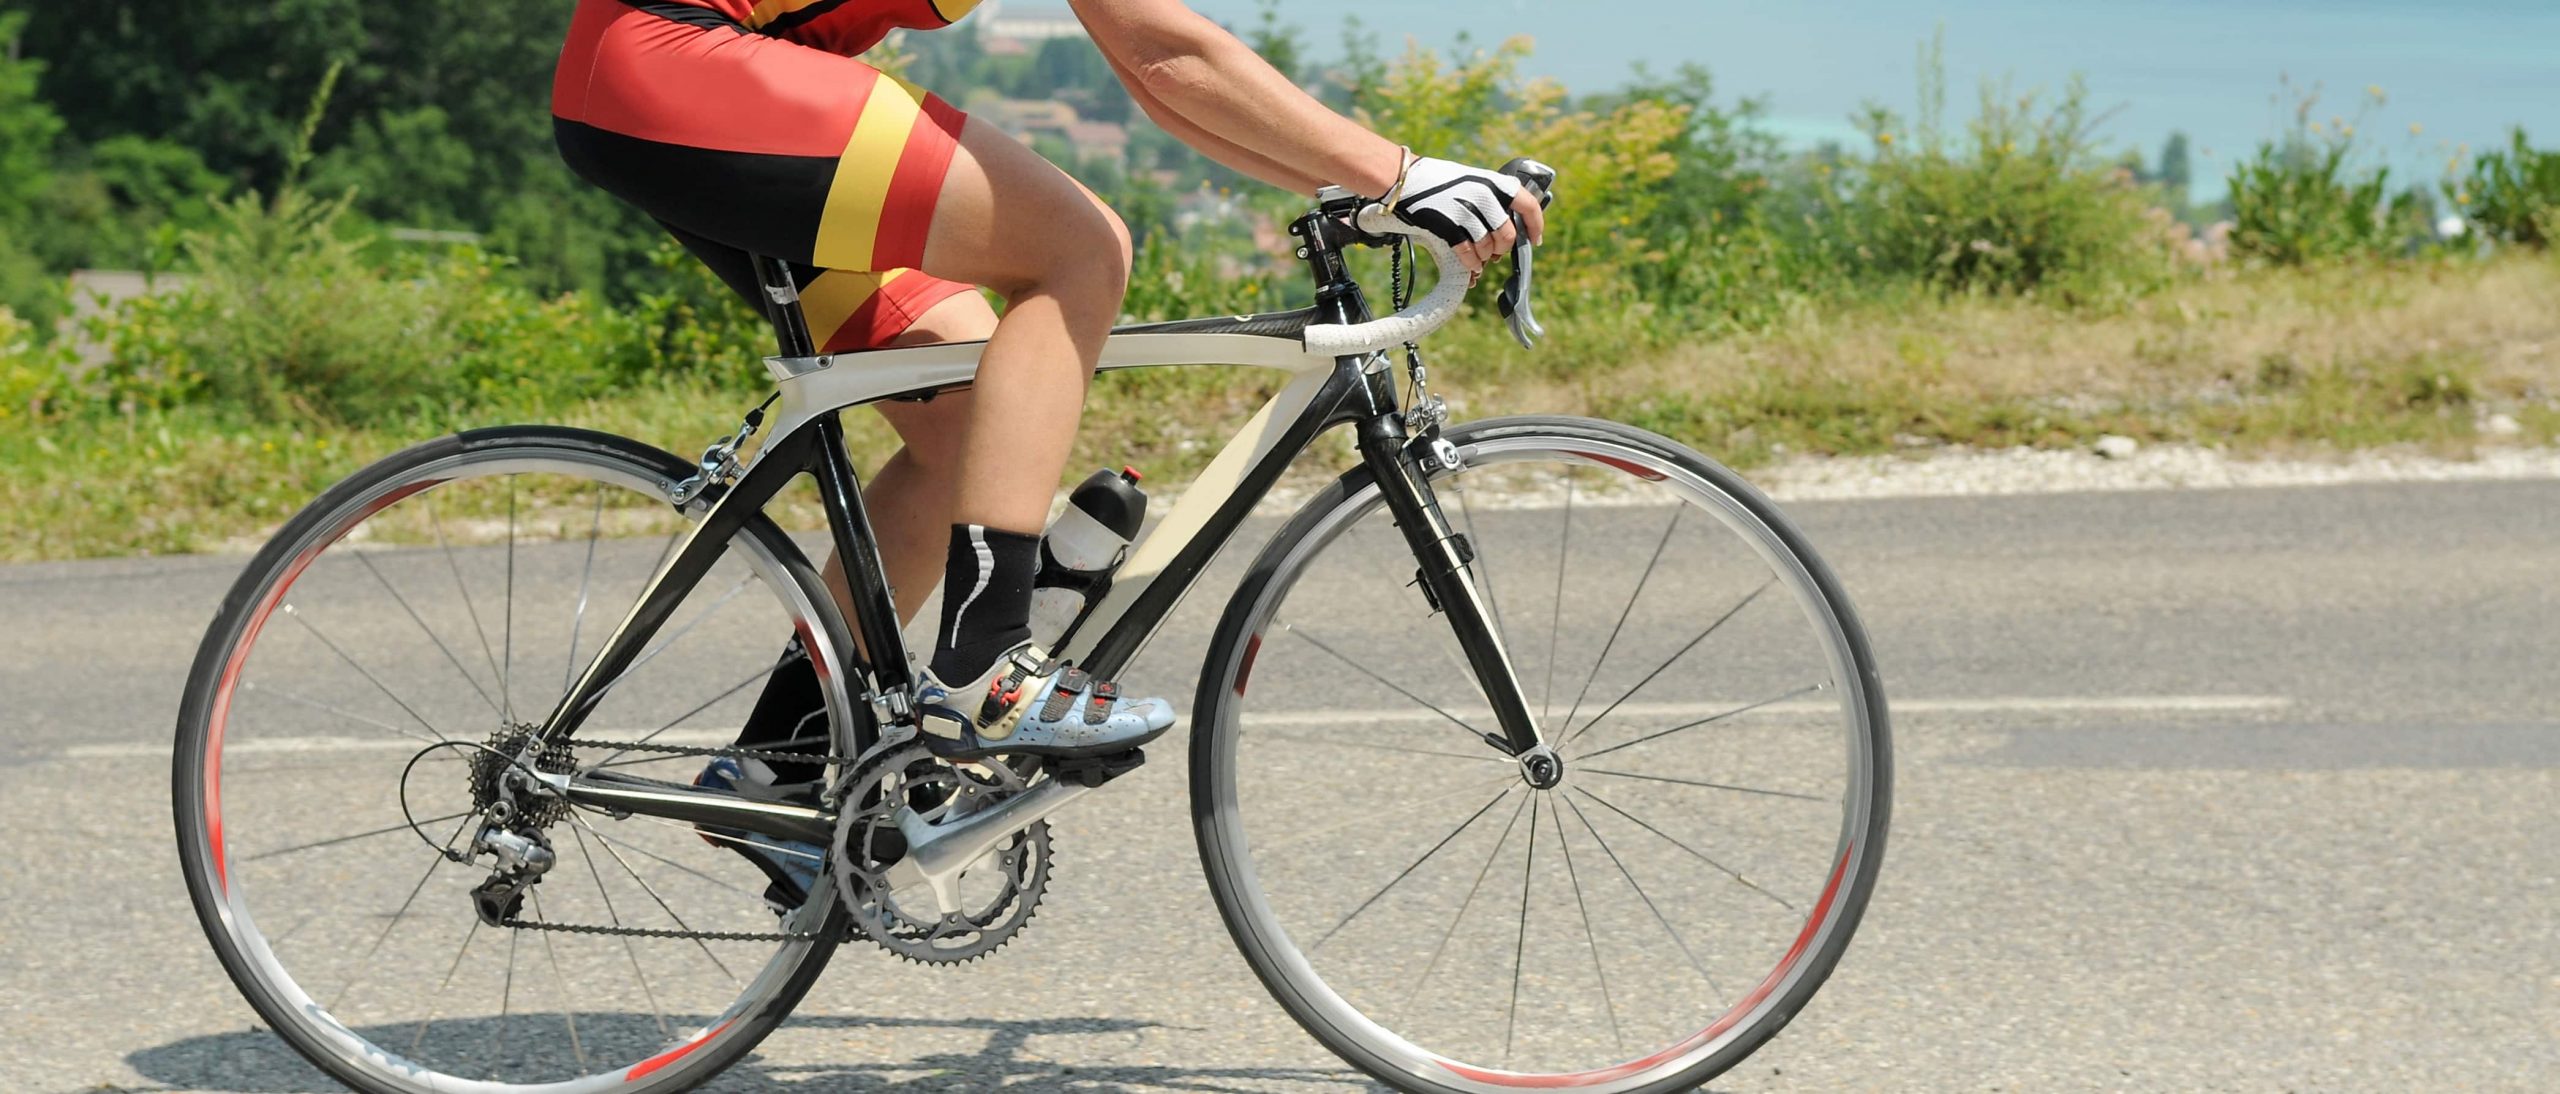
873	610
1448	572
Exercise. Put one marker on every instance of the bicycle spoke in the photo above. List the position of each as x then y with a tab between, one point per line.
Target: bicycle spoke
331	842
450	657
1555	618
713	834
315	704
1302	838
1408	871
403	913
653	895
670	641
1708	720
1384	748
568	1007
437	999
1467	513
436	522
1390	685
507	993
644	852
1520	946
1672	660
1705	784
1700	855
586	575
507	668
1463	905
1600	970
1649	905
1676	512
679	719
369	677
627	949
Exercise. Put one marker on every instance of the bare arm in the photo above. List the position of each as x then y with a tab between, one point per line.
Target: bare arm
1176	62
1211	145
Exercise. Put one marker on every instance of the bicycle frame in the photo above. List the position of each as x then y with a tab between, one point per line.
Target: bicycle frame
807	437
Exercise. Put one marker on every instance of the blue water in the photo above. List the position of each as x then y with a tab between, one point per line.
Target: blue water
2463	71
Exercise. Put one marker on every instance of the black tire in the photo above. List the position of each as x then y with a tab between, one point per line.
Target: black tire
323	520
1215	727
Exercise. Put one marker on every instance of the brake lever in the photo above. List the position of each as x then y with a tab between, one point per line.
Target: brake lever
1516	289
1515	300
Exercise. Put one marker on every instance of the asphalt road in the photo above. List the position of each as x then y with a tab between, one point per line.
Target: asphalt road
2232	790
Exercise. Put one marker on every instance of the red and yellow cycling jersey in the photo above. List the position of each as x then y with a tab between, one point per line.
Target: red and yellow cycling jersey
846	27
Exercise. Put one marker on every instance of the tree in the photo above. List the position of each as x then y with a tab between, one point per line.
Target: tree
28	127
2176	171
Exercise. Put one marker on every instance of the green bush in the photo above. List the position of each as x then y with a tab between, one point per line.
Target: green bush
2513	194
33	376
2302	201
2018	201
286	315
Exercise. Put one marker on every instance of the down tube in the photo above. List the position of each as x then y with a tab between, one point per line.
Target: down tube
1211	510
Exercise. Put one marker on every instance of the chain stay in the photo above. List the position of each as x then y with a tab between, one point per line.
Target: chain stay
766	755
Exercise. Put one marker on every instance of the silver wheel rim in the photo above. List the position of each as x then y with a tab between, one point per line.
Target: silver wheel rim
1822	917
596	1060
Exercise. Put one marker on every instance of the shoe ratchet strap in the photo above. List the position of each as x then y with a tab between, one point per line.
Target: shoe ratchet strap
1006	701
1071	683
1098	709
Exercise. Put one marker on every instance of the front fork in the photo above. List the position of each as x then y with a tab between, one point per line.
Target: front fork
1396	459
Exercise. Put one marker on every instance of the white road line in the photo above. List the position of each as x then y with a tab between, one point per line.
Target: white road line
275	746
2019	704
2014	704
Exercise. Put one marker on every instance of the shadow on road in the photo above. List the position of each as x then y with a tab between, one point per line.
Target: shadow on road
259	1062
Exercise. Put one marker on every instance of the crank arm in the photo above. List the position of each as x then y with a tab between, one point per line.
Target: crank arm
937	854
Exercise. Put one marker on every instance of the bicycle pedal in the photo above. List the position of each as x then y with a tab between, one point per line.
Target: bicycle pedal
1093	771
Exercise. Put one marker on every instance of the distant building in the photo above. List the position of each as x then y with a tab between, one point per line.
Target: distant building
1099	140
1025	119
1026	27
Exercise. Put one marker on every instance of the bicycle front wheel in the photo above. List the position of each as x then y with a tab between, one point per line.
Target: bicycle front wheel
341	731
1643	925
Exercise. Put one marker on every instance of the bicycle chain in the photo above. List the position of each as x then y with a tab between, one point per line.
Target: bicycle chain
767	755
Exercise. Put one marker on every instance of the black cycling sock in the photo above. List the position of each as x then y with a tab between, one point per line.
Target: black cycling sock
792	713
986	599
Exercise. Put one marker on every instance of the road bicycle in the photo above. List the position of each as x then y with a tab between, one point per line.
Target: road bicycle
439	821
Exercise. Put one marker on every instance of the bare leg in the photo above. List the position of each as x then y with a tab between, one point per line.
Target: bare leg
1011	221
909	498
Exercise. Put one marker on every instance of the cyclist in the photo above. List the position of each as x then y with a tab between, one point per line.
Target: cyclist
749	127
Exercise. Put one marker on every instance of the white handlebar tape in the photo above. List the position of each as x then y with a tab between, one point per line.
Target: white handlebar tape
1412	324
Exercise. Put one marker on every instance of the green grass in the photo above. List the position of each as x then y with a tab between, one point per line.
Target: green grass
2291	361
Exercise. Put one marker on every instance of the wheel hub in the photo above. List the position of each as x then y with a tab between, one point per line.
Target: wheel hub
1541	768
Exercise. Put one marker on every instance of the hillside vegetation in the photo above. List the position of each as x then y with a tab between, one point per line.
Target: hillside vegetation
1985	276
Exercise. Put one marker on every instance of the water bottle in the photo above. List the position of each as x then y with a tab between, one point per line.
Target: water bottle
1081	549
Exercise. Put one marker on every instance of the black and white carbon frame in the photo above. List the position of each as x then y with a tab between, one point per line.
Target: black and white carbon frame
1339	374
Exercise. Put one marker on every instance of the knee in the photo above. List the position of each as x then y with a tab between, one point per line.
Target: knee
1090	263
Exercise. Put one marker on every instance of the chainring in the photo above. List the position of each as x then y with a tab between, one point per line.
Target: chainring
1005	886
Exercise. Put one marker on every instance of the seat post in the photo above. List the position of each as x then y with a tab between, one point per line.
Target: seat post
782	307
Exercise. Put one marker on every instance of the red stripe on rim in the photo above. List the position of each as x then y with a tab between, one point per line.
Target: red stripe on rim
220	716
1638	470
1804	941
1244	672
654	1064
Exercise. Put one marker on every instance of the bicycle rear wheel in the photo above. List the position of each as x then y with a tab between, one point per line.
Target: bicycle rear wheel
334	741
1424	911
